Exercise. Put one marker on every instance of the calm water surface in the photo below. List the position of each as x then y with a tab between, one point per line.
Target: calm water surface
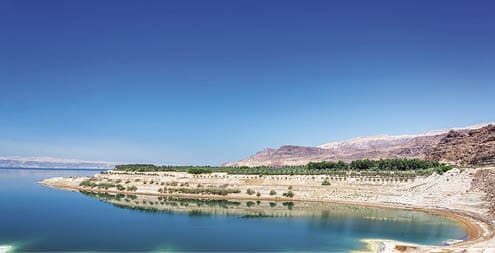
37	218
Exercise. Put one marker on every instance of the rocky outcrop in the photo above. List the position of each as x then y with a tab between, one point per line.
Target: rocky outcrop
374	147
475	147
484	180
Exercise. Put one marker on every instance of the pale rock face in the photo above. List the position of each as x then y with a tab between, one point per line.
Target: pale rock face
372	147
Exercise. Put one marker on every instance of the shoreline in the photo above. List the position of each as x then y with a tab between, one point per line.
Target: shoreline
6	248
474	232
479	228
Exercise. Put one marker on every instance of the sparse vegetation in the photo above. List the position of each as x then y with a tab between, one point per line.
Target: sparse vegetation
171	183
131	188
106	186
88	183
249	192
442	169
198	170
212	191
288	194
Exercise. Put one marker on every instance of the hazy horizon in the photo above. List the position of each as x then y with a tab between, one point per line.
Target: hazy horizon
178	82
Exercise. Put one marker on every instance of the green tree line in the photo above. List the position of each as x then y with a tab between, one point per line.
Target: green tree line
420	167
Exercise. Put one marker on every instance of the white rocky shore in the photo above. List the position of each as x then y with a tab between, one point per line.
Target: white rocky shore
6	248
450	194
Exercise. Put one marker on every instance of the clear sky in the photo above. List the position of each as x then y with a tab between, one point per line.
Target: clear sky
204	82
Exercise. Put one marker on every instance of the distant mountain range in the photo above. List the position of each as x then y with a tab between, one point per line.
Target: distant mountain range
472	145
50	162
377	147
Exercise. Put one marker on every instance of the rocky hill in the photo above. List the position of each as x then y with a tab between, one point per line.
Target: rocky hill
475	147
374	147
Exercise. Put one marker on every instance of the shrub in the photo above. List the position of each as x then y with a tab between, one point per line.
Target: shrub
442	169
290	187
258	194
87	183
325	182
288	194
131	188
106	186
213	191
171	183
198	171
272	192
249	192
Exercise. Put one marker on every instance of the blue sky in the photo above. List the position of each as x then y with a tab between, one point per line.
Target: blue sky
204	82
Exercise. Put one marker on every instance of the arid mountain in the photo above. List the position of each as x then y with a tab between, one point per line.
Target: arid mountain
374	147
475	147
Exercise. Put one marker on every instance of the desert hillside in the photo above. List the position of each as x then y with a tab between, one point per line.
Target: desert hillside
475	147
433	144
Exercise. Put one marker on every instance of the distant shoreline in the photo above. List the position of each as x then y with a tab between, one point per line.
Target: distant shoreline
51	169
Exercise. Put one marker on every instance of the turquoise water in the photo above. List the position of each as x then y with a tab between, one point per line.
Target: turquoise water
38	218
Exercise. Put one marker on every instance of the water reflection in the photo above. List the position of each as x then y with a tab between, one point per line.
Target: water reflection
324	214
39	218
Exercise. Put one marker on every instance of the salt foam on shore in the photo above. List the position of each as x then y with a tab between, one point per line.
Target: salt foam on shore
382	246
6	248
